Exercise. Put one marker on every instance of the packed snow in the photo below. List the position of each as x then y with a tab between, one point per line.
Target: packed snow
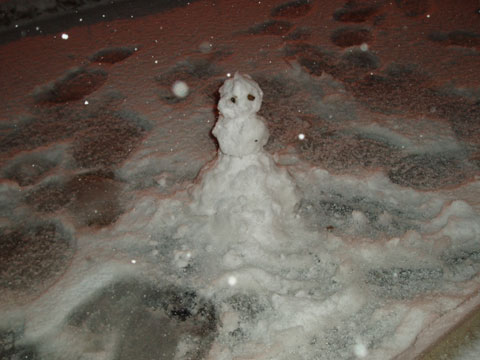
334	213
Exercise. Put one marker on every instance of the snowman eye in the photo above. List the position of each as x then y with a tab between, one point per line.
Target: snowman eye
250	97
233	100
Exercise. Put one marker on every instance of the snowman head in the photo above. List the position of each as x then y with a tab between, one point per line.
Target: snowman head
239	97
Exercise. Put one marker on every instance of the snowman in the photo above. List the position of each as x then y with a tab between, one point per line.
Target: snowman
243	191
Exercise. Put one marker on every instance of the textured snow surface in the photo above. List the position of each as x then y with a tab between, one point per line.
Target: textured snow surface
349	230
470	352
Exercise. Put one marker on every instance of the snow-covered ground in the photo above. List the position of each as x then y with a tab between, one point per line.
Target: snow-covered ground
126	233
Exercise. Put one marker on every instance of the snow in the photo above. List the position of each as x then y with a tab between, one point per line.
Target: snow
360	350
328	224
239	130
469	352
180	89
243	192
232	280
247	227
